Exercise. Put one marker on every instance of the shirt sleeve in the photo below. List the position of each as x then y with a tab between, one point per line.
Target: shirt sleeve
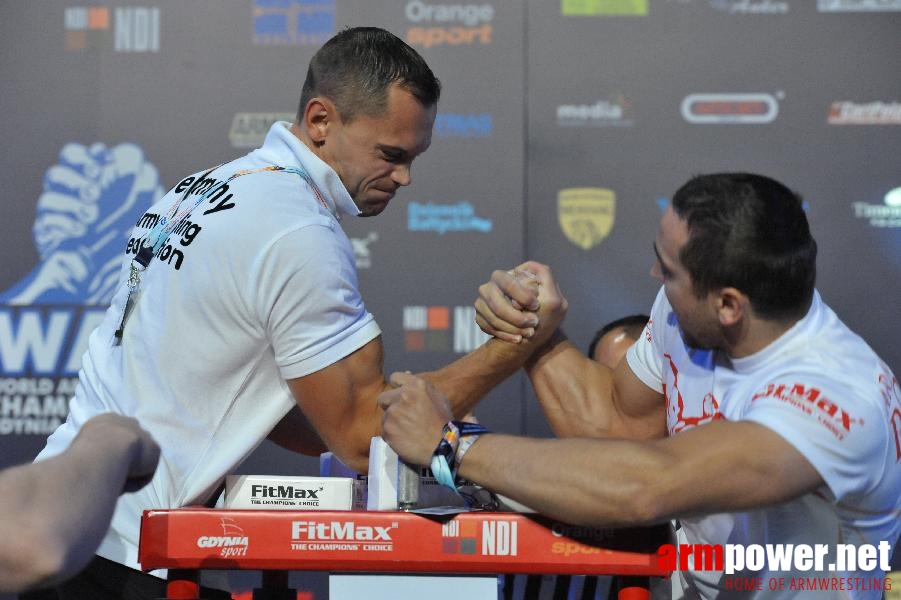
645	356
309	300
840	433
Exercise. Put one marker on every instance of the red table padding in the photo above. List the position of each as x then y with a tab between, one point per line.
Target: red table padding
397	542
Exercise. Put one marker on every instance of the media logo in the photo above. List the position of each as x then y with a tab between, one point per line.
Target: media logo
293	22
731	109
430	329
751	7
135	28
442	218
449	125
603	8
449	24
858	5
362	253
90	202
233	541
586	215
249	129
615	111
885	215
869	113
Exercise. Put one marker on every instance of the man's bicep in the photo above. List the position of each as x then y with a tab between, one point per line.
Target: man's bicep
729	466
641	410
340	402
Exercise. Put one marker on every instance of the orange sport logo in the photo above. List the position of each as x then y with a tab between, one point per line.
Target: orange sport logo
449	24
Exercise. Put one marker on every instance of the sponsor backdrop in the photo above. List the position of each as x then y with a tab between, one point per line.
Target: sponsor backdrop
563	129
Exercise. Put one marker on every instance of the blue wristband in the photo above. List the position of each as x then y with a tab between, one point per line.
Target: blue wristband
442	472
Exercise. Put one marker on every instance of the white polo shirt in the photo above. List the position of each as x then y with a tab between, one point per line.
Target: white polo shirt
258	285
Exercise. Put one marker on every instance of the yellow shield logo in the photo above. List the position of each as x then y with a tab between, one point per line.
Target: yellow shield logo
586	215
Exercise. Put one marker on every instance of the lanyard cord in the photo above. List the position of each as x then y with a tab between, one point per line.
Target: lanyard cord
174	218
167	224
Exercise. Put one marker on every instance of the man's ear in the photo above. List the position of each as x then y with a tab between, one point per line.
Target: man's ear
317	116
732	306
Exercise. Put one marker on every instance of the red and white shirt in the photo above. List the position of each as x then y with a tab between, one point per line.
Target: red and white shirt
824	390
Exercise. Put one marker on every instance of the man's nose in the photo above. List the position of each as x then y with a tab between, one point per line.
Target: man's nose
401	175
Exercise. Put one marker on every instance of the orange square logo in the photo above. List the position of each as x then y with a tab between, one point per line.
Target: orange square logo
439	317
98	17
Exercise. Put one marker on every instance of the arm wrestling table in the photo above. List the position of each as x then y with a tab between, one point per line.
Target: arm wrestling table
186	540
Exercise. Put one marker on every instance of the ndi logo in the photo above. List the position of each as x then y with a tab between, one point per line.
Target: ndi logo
429	329
135	28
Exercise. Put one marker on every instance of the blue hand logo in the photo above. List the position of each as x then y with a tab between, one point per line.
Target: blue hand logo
91	201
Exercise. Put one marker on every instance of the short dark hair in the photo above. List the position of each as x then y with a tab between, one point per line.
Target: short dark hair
632	325
748	232
355	68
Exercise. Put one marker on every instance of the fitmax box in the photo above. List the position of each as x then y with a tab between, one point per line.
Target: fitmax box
280	492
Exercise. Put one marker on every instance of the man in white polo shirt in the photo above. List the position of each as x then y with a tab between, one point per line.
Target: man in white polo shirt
238	314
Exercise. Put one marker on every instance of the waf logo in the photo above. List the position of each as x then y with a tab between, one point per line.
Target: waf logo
736	109
232	542
586	215
90	201
811	400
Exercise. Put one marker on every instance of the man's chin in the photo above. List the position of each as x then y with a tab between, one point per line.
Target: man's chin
373	208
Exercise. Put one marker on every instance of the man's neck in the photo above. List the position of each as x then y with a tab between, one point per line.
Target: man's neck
755	334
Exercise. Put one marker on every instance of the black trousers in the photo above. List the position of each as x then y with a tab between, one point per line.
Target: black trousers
104	579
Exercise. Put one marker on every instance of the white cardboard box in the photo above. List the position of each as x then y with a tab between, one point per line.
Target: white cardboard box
279	492
382	489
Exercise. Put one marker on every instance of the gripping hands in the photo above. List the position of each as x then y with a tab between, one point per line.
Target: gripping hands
522	304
